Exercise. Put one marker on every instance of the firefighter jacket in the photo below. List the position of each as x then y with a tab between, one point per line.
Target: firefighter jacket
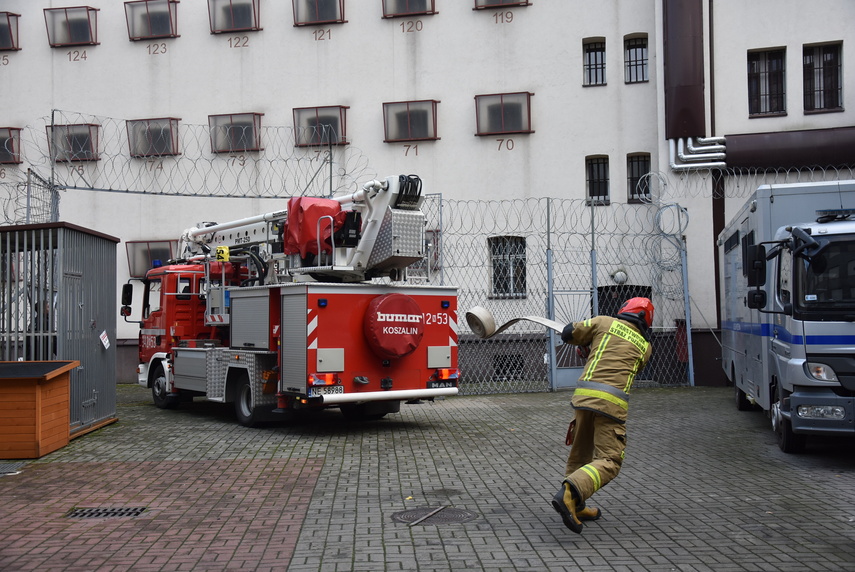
618	353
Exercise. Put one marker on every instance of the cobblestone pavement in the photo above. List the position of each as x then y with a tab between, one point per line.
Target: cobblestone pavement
704	487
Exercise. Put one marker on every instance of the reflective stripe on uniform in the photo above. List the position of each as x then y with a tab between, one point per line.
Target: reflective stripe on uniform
597	386
592	472
600	394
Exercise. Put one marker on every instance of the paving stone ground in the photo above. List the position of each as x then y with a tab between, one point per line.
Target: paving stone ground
704	488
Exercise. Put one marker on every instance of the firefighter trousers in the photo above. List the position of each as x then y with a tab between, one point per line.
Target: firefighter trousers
597	452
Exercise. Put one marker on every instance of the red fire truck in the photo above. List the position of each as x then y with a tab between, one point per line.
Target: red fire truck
301	308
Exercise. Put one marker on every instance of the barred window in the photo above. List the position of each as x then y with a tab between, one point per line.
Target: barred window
321	125
76	26
10	145
9	31
508	264
73	142
153	137
234	16
396	8
635	59
149	19
410	120
597	170
235	132
638	184
766	85
311	12
503	113
823	82
483	4
594	62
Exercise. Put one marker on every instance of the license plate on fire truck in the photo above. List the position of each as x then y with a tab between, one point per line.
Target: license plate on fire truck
325	390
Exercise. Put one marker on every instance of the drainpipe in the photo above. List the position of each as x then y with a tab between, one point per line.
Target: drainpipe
674	154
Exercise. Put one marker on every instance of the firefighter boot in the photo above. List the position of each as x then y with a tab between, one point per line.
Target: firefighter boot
564	502
588	513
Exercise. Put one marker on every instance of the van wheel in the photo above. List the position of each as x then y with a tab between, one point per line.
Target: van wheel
788	441
246	414
742	402
159	391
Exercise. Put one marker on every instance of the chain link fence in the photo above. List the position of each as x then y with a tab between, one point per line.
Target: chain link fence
564	259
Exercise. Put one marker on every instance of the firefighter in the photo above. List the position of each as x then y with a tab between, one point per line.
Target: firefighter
617	349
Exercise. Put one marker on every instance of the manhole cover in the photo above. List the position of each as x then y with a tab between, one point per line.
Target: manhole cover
102	512
434	515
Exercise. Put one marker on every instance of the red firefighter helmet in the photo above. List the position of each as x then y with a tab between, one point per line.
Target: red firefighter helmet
640	308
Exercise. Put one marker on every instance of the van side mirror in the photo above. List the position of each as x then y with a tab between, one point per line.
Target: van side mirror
755	263
127	294
756	299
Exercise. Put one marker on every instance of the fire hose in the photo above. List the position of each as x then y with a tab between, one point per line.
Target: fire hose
483	325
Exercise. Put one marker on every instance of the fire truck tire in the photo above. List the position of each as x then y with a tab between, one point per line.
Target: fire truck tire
246	414
159	392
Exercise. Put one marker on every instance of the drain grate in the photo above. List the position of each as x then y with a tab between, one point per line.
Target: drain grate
10	468
105	512
434	515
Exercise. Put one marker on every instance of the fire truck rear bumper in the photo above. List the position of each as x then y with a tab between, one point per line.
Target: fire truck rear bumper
402	395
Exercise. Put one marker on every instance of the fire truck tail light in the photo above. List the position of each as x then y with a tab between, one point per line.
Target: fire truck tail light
446	373
323	379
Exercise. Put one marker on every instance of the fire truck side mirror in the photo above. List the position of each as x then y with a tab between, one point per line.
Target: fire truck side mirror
755	265
125	311
127	294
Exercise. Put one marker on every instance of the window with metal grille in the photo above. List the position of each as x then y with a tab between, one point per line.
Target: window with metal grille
766	86
153	137
638	183
148	19
320	125
73	142
503	113
76	26
823	82
10	145
234	16
508	265
594	61
597	169
635	59
311	12
233	132
396	8
484	4
410	120
9	31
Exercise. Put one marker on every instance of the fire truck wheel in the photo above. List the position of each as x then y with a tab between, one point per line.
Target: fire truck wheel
159	392
246	414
